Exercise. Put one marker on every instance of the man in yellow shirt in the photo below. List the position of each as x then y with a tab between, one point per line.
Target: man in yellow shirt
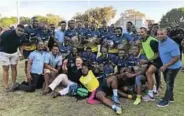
88	79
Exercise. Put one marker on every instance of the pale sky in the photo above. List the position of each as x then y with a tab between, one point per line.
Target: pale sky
67	9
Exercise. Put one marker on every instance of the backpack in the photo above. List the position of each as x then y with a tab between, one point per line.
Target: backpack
82	92
73	89
79	92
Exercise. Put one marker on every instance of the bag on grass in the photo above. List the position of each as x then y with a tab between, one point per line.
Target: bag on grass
79	92
73	89
82	92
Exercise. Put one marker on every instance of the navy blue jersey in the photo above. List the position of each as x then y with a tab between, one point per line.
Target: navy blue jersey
81	31
88	56
91	33
45	36
121	63
65	48
107	60
32	35
105	34
71	33
133	61
118	39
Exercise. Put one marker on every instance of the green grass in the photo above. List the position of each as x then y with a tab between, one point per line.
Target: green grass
34	104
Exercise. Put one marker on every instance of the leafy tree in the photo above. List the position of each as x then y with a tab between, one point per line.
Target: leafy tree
6	21
25	20
96	14
173	17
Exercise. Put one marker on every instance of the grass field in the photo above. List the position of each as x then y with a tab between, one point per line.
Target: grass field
34	104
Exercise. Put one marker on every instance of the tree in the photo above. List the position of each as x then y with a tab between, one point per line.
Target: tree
96	14
6	21
51	18
173	17
25	20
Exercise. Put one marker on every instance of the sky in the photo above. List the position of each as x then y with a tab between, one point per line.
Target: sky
67	9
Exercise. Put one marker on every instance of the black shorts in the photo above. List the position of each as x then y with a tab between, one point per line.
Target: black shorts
104	87
157	63
37	81
95	53
128	82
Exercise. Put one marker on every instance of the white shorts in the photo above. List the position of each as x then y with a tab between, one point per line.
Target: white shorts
9	59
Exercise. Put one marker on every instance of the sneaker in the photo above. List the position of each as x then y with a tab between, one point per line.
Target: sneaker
148	98
47	91
137	101
162	103
14	86
182	69
171	100
6	90
116	99
55	94
118	111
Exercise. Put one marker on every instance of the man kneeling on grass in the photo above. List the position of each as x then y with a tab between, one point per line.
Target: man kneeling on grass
53	64
36	66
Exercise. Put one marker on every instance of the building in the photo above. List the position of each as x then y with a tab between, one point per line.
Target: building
139	22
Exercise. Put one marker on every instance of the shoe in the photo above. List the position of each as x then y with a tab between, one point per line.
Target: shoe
55	94
116	99
118	111
163	103
134	96
137	101
182	69
6	90
171	100
47	91
14	86
148	98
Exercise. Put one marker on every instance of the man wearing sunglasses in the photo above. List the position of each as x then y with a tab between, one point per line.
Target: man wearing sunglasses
10	41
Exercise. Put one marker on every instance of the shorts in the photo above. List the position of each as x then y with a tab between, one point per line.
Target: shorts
157	63
47	71
129	82
26	53
37	81
52	75
9	59
95	53
104	87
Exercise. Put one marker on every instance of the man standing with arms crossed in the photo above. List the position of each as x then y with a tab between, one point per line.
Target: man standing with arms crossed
9	42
